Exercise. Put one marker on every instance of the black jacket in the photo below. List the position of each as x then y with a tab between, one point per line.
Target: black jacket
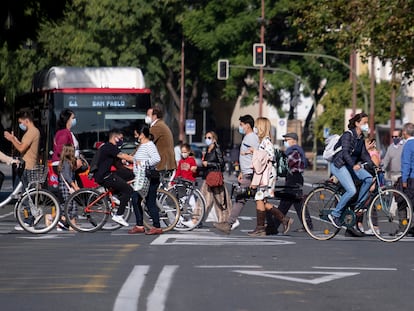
348	142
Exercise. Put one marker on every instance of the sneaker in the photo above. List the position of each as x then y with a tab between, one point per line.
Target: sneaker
370	232
115	200
20	228
335	221
224	227
119	219
235	224
154	231
188	223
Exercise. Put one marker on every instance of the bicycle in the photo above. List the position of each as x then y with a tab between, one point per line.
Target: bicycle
388	221
88	210
37	210
192	203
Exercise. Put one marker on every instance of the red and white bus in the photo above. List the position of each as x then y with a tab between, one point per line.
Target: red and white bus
102	98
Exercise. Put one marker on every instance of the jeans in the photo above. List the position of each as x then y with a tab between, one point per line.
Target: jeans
345	178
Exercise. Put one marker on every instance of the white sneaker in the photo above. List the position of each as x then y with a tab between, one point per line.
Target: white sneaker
188	223
20	228
119	219
235	224
370	232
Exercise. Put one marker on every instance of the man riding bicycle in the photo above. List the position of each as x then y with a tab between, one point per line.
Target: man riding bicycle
110	155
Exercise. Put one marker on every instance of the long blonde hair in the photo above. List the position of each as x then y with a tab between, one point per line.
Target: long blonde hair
67	154
263	126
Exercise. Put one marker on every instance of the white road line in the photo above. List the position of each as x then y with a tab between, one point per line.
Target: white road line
355	268
231	266
156	300
127	299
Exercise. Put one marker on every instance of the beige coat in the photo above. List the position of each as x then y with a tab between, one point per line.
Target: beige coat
164	141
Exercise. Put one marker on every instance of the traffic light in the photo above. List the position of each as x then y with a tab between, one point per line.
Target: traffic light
259	54
223	69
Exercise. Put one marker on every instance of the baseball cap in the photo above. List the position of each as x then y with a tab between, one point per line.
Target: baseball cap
291	135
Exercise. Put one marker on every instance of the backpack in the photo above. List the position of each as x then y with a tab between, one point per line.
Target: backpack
281	163
330	146
94	163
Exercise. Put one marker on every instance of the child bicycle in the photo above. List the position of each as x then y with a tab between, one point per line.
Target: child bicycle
389	211
192	204
36	210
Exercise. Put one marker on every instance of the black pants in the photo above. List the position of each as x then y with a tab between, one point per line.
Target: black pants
120	187
1	179
294	180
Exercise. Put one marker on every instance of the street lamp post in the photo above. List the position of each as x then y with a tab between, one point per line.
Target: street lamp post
204	105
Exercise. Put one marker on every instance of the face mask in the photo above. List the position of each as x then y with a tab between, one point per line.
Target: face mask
365	127
241	130
396	141
148	120
119	142
184	155
255	130
22	127
208	141
74	122
286	144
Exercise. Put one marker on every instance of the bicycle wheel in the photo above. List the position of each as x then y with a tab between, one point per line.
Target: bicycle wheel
168	208
87	210
390	215
192	206
37	211
318	205
111	225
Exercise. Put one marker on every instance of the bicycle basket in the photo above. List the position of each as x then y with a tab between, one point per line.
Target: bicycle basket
37	174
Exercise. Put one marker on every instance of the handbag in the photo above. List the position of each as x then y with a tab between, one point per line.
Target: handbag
214	179
151	172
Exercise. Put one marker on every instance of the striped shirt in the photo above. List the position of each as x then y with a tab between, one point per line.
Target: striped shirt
147	152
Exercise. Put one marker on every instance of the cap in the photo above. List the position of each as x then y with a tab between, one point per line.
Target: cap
291	135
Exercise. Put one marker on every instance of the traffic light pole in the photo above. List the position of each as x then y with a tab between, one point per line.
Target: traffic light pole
262	31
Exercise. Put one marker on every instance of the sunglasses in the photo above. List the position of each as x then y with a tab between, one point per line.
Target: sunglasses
395	136
208	137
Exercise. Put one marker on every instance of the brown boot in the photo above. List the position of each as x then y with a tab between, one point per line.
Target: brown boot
260	227
286	221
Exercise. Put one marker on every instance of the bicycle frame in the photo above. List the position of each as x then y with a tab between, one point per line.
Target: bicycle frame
15	194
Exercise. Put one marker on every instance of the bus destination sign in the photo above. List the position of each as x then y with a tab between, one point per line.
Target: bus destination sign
99	100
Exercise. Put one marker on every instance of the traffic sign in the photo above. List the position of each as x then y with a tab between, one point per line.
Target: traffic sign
190	127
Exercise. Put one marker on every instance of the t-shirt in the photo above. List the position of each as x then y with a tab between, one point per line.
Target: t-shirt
184	169
249	140
108	155
31	138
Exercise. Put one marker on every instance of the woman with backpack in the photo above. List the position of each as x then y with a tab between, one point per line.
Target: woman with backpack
348	164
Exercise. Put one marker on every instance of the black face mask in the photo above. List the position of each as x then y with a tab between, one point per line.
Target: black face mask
120	142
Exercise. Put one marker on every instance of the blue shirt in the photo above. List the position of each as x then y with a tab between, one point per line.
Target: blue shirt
407	160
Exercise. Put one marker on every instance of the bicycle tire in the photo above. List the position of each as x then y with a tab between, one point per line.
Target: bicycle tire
90	220
318	204
168	208
389	220
37	211
111	225
192	206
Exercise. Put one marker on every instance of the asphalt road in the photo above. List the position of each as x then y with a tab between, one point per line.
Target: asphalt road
202	270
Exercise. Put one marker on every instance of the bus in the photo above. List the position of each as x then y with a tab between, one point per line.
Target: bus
102	98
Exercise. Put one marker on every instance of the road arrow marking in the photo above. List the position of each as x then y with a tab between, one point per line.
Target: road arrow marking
198	239
286	275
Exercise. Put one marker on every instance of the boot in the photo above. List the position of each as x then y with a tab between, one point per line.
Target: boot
260	227
284	220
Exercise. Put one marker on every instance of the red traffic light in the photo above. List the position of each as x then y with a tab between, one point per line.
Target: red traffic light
259	54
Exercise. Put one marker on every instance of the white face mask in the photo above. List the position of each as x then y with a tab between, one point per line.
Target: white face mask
365	127
148	120
184	155
286	144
